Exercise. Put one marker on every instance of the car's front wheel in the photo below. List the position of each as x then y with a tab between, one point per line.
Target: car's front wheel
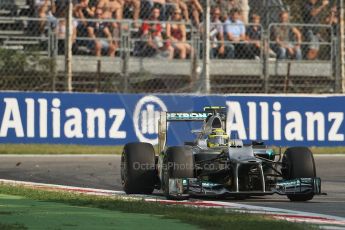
298	162
138	172
178	163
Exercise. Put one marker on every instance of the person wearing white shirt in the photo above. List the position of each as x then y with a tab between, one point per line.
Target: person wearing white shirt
44	8
234	33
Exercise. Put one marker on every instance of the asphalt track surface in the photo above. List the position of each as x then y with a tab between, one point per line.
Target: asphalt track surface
103	172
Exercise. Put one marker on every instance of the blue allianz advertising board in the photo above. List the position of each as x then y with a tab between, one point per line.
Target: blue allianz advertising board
116	119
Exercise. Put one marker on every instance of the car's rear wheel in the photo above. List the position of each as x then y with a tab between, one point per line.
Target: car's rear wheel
298	162
178	163
138	172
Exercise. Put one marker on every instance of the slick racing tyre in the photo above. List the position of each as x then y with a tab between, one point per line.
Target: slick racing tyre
178	163
138	174
298	162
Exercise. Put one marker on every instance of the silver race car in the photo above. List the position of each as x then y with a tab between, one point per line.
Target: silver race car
216	165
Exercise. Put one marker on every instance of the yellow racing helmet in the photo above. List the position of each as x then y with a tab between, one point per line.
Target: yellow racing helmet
217	138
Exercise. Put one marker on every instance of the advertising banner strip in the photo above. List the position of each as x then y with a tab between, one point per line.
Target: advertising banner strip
116	119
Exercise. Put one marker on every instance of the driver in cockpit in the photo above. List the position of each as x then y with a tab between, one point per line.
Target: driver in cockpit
217	138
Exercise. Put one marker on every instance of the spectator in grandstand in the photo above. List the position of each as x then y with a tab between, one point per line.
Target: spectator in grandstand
114	11
60	31
100	33
312	12
189	8
216	34
196	11
287	39
44	10
227	5
177	35
151	33
245	10
115	8
148	5
333	19
83	10
182	6
235	33
269	10
131	9
253	35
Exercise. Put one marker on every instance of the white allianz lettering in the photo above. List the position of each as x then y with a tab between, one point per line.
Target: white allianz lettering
73	126
118	115
11	118
333	134
293	129
93	115
234	121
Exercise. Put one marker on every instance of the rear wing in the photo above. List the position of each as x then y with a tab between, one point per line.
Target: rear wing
197	116
166	117
215	109
191	116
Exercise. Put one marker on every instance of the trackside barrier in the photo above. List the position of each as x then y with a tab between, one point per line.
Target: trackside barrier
116	119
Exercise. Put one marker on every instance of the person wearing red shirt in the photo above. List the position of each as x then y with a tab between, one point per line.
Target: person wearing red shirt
176	33
151	34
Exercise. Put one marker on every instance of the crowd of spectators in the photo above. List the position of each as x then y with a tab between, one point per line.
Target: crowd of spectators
164	26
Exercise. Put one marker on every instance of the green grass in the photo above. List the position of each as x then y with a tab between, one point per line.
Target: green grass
205	218
328	150
91	149
320	150
26	213
58	149
12	226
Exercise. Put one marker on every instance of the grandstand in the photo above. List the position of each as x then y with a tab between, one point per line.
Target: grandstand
13	31
134	69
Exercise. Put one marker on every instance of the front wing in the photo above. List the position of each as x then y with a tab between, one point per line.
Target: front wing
192	186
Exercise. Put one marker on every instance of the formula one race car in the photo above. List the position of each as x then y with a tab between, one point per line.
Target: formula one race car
215	165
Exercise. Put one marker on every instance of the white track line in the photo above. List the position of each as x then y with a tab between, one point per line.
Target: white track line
118	155
60	155
62	187
324	221
330	155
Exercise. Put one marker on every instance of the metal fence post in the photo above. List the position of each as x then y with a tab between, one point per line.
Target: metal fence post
266	43
195	58
68	46
125	34
206	52
52	53
336	64
341	43
99	69
265	63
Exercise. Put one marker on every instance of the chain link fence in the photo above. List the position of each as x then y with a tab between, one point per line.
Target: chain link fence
134	46
26	60
305	57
